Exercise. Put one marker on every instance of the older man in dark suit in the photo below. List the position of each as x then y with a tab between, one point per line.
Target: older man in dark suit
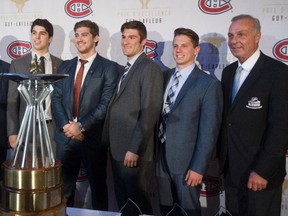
189	128
4	68
41	37
131	120
255	124
79	107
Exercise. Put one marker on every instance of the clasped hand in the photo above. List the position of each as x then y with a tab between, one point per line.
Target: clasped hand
72	130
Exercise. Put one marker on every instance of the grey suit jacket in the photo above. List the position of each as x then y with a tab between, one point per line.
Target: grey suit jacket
133	112
4	68
96	92
15	103
193	124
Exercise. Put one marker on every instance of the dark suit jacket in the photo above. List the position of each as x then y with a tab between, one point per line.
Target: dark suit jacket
256	138
16	104
133	112
96	92
193	123
4	68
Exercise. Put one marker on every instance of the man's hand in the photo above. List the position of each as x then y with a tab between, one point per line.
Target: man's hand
193	179
131	159
72	130
256	182
12	140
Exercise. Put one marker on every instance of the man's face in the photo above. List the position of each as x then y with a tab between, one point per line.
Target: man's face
131	44
184	53
242	40
84	41
40	39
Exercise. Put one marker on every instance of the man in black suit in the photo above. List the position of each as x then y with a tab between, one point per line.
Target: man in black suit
4	68
255	124
79	124
131	120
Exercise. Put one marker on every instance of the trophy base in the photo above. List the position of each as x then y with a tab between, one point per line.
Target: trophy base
32	191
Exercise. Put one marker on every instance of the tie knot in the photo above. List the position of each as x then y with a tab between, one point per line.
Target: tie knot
127	66
42	58
239	69
176	74
82	61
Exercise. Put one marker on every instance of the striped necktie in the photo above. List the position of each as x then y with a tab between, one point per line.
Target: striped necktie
169	102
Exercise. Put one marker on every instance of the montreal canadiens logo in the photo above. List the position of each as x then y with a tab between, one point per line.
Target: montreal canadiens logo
214	7
280	50
78	8
150	49
211	186
18	48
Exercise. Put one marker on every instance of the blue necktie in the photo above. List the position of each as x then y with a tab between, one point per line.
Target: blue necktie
170	99
126	69
236	84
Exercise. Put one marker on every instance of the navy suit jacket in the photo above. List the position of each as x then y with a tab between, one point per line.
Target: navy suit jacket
193	123
96	92
255	126
4	68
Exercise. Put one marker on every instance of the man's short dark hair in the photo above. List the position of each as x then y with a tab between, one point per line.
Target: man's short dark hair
94	28
189	33
44	23
139	26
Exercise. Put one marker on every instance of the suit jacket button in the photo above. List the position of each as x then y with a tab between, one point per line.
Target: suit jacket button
229	124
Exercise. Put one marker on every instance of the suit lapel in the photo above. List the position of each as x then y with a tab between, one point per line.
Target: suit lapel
249	81
130	74
189	83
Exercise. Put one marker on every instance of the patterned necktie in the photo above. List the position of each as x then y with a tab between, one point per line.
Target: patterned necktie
42	64
126	69
236	84
77	87
168	105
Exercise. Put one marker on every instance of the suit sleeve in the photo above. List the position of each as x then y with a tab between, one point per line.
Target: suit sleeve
13	104
151	102
209	127
57	100
275	140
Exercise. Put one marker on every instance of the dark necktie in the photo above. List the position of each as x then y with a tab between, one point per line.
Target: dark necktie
168	105
42	64
126	69
236	84
77	88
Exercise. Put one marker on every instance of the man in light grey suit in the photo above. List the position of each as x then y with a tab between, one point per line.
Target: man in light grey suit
41	37
131	120
189	126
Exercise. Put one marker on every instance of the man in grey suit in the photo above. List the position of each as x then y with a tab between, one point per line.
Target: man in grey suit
79	124
41	37
131	120
189	126
4	68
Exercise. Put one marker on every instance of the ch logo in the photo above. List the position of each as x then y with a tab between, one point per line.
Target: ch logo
78	8
19	4
18	48
280	50
144	3
214	7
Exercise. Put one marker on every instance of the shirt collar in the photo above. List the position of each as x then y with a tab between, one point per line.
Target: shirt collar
185	72
46	55
132	60
90	59
251	61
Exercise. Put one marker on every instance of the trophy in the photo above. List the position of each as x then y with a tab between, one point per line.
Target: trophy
32	183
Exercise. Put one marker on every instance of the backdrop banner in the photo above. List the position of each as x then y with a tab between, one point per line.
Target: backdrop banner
209	18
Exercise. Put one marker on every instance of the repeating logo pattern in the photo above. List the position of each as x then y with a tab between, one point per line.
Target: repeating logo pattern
150	49
18	48
280	50
214	7
211	186
78	8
